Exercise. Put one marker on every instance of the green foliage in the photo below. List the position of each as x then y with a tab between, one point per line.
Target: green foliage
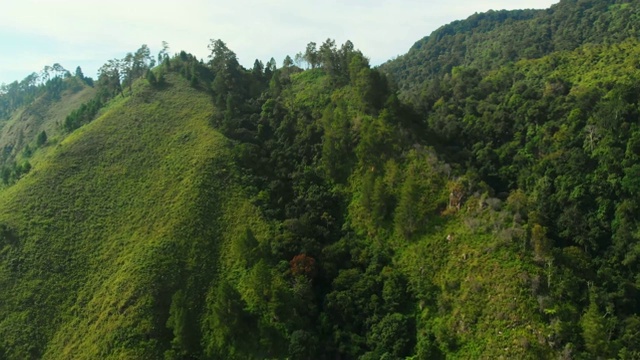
487	41
50	83
96	290
21	133
42	138
84	114
594	330
211	211
542	131
151	78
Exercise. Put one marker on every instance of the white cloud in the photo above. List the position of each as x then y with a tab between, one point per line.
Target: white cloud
90	32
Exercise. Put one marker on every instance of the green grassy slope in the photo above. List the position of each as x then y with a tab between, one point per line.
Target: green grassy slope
328	219
43	114
110	225
475	287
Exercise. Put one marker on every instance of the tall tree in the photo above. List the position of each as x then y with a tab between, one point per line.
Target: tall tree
109	81
221	57
126	70
164	53
79	73
288	62
311	55
142	60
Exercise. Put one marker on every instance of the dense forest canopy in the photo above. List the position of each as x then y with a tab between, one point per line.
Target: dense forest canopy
474	198
487	41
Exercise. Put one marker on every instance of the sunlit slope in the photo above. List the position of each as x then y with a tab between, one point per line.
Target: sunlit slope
487	41
46	113
103	233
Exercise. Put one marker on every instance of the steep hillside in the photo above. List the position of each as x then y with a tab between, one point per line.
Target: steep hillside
145	235
379	248
216	212
488	40
123	213
561	134
46	113
39	122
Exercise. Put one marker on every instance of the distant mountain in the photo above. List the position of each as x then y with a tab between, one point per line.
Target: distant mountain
489	40
33	116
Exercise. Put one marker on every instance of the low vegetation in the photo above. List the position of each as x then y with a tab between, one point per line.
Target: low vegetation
200	210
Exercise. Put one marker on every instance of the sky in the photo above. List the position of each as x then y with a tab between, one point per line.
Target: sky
87	33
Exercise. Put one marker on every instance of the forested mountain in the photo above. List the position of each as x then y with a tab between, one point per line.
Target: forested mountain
196	209
489	40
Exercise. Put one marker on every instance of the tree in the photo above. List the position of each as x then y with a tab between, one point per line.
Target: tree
288	62
346	53
594	328
42	138
151	78
540	241
347	49
407	217
391	337
327	55
60	71
338	143
178	321
24	168
6	175
299	59
221	57
304	265
79	73
229	328
303	345
160	77
271	65
246	249
46	73
142	60
311	55
126	70
258	69
109	79
334	61
163	54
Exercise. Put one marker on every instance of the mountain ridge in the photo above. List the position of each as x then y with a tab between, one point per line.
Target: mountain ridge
204	210
488	40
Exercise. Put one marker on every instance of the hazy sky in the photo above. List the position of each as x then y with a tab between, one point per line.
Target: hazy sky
35	33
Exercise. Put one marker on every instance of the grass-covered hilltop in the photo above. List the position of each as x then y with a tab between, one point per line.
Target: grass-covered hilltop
476	198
